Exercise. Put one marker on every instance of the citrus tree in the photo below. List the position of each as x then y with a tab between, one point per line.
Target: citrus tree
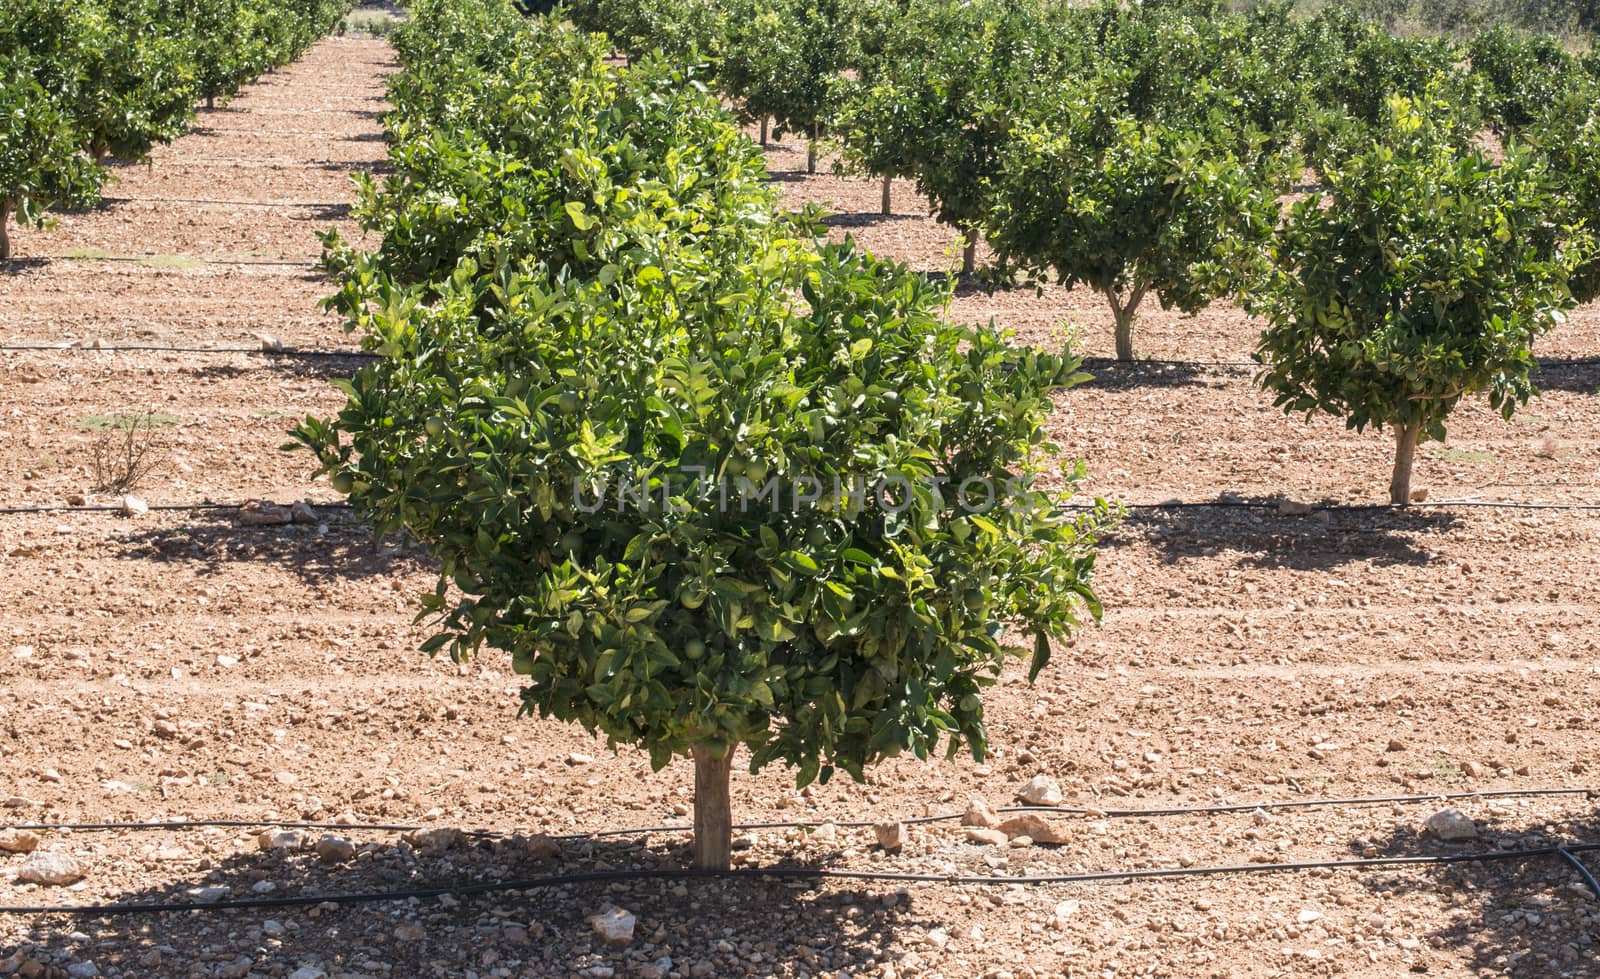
1134	208
711	486
1523	75
41	163
1567	137
1419	277
942	99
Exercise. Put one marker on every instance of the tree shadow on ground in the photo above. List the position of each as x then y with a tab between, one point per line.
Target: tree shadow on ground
212	541
1263	537
311	366
707	926
1575	375
1520	916
866	219
317	212
1127	375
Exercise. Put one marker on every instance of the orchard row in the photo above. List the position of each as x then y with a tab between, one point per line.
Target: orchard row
1145	151
81	80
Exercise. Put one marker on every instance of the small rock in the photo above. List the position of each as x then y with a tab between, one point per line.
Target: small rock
1396	745
410	932
269	343
1418	495
308	972
259	513
21	802
578	758
282	839
1308	916
1471	769
18	841
659	969
132	506
273	928
541	847
1064	911
434	840
984	836
1035	827
83	970
302	513
1448	824
165	730
1041	790
614	926
1293	508
891	836
211	894
980	813
51	868
336	849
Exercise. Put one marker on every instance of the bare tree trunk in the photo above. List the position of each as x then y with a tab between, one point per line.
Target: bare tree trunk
5	231
969	254
811	151
713	809
888	183
1405	451
1123	314
763	132
211	102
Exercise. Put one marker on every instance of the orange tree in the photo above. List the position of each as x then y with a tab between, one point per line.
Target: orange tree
1420	276
710	485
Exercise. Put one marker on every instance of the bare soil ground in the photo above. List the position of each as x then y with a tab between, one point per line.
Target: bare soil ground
179	665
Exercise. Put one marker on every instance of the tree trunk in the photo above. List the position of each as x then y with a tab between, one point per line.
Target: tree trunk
1405	450
811	152
5	231
1124	334
969	254
1123	313
763	132
887	188
713	809
211	102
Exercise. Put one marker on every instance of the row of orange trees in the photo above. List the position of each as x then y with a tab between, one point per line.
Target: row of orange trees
81	80
713	484
1147	151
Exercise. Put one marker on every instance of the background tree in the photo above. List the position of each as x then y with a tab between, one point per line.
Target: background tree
1131	207
41	164
943	98
1420	276
1567	137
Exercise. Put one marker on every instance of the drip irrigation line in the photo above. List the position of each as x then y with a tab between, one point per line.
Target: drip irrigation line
150	348
1110	813
1583	871
231	203
1065	508
799	873
148	259
207	824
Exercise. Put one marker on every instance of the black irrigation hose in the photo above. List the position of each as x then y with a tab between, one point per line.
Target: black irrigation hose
143	259
1068	507
1588	878
800	873
205	823
205	200
1110	813
146	348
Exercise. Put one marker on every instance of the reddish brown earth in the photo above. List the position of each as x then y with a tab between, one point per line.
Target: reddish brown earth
179	665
